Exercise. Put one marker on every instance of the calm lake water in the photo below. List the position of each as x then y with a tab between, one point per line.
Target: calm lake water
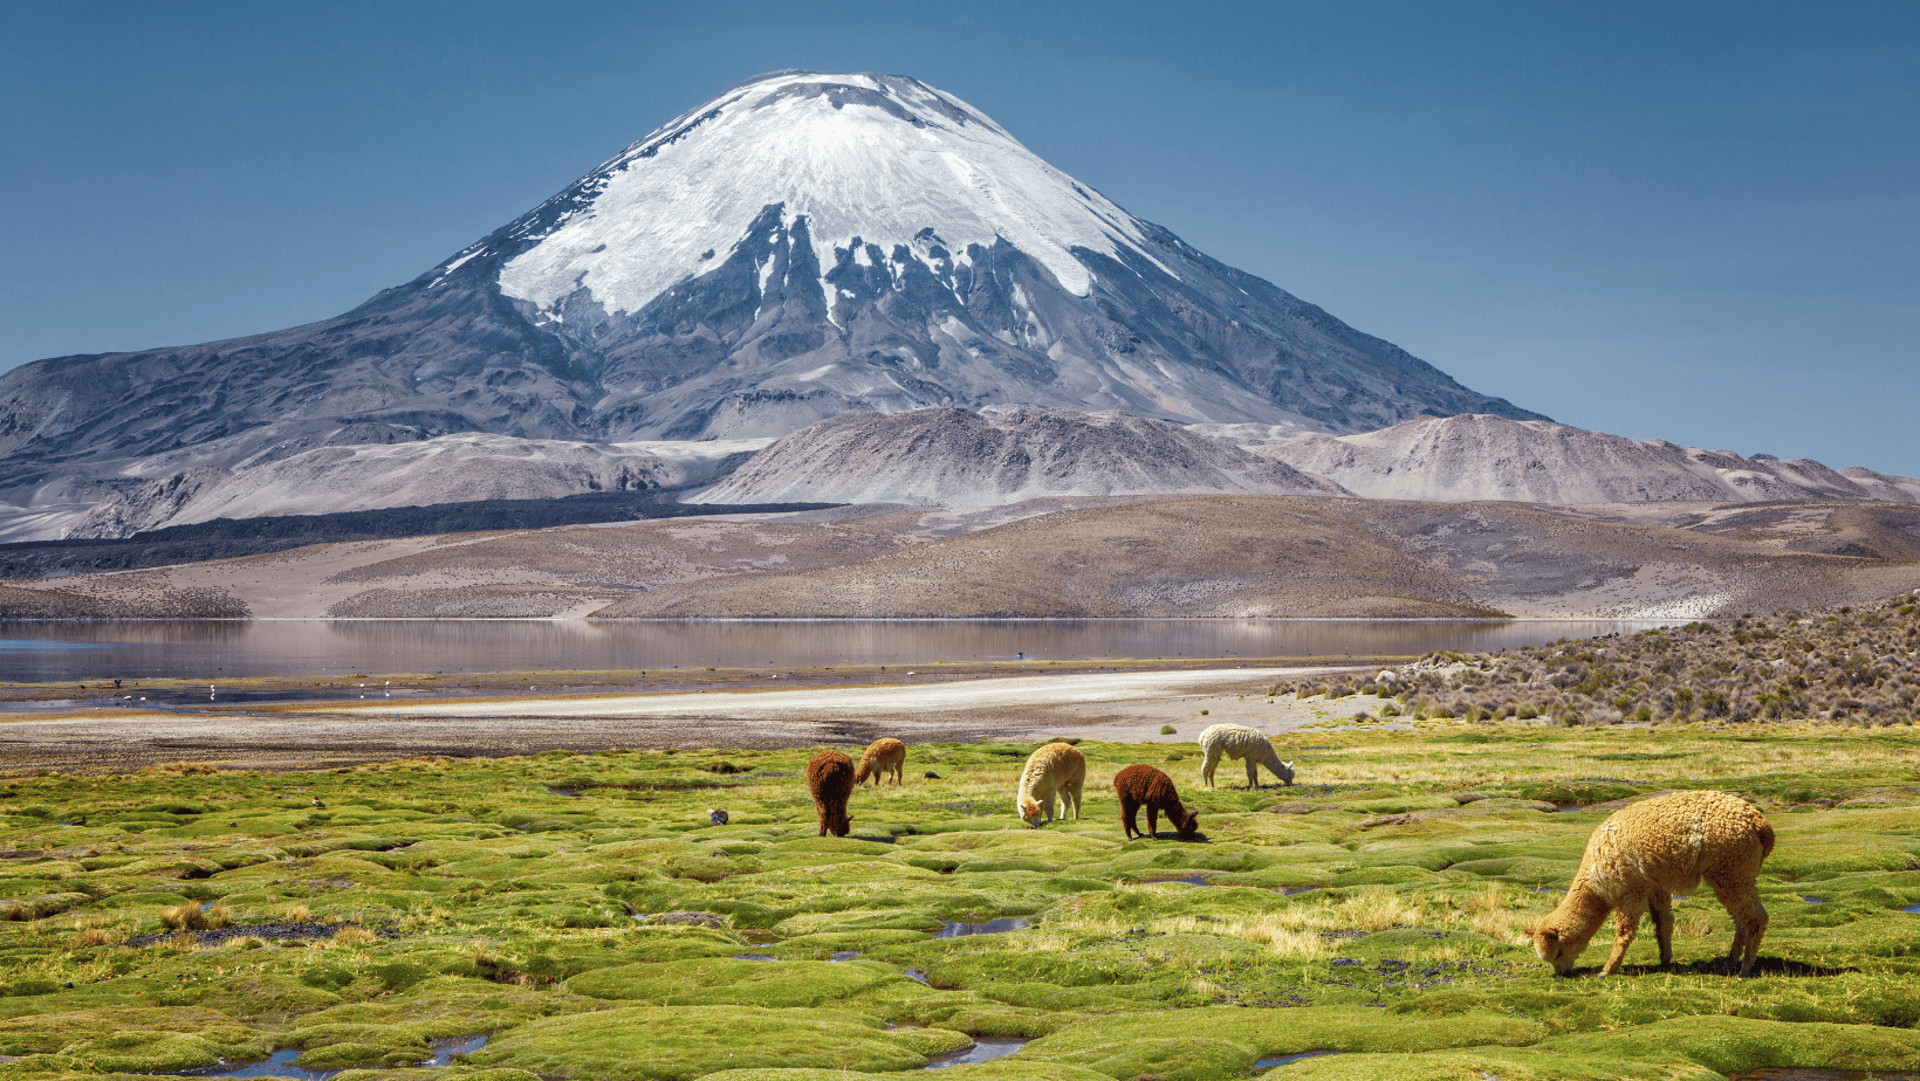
37	652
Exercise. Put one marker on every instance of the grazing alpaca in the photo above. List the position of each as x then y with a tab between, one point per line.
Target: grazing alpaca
830	779
1239	741
1145	786
1645	853
882	756
1055	770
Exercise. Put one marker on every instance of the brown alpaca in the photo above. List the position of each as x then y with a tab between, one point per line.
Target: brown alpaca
882	756
1055	771
1644	854
830	779
1144	786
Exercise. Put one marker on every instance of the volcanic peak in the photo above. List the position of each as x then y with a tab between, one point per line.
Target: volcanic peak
872	162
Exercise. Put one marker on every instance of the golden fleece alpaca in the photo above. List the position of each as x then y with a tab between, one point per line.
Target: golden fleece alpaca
1056	770
882	756
1644	854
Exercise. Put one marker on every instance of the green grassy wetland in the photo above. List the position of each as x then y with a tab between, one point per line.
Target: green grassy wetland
585	915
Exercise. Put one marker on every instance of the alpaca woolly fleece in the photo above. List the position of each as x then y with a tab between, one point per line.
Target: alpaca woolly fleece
1644	854
1239	741
830	779
882	756
1144	786
1054	771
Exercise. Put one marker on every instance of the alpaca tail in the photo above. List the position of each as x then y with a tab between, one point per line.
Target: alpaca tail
1765	832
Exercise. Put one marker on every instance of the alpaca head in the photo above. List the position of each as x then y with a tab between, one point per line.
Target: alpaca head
840	824
1030	812
1286	772
1558	944
1187	824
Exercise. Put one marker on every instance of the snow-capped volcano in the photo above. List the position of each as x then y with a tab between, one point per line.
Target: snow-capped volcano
800	247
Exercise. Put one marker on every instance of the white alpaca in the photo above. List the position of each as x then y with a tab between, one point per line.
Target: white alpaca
1055	770
1239	741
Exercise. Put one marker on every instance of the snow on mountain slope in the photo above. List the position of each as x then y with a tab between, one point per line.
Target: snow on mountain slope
951	457
449	469
1456	459
867	159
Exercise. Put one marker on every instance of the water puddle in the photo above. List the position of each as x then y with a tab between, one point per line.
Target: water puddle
1911	908
1814	900
754	957
1282	1060
1190	880
280	1063
1295	891
952	929
844	955
917	975
984	1049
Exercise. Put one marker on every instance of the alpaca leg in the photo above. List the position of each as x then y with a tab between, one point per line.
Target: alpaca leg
1153	822
1253	774
1624	930
1074	790
1207	765
1128	812
1742	902
1661	906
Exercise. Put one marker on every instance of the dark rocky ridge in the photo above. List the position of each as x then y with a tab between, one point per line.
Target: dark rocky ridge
226	538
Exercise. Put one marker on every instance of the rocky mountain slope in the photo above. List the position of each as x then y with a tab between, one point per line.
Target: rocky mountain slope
951	457
445	469
799	247
1470	457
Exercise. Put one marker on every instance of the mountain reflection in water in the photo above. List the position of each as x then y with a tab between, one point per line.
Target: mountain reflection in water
40	652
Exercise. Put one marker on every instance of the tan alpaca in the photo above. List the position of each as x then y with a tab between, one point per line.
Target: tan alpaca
882	756
1055	770
1644	854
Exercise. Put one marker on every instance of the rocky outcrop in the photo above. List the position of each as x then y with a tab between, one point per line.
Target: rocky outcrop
1463	458
952	457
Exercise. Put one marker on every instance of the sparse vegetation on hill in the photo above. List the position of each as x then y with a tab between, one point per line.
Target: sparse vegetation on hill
1855	665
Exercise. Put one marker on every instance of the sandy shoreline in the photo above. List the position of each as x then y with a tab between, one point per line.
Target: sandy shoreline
1116	706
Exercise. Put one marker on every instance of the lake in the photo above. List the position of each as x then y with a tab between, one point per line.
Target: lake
47	652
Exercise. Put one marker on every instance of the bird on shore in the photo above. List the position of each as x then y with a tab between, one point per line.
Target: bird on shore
318	805
716	816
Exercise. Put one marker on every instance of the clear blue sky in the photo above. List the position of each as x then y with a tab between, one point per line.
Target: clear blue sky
1690	221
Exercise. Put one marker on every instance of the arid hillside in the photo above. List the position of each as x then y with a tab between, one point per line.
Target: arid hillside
1222	556
1851	664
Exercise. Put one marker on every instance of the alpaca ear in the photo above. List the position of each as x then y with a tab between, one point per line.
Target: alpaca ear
1548	936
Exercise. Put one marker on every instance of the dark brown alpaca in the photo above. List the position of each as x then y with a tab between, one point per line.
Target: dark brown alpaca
830	779
1144	786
